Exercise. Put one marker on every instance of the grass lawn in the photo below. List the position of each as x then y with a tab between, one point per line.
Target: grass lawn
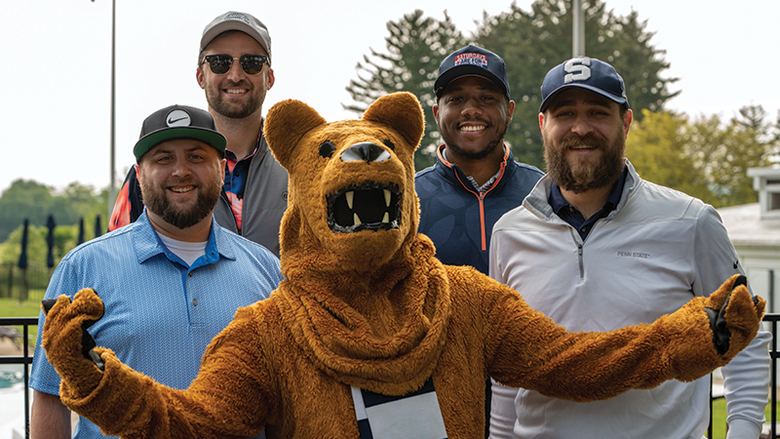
29	308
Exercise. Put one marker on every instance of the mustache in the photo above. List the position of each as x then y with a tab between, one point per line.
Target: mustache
230	83
589	139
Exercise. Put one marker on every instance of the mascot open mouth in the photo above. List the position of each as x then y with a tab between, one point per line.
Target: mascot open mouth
369	206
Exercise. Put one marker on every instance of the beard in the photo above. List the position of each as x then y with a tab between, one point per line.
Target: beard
585	176
478	155
219	103
155	200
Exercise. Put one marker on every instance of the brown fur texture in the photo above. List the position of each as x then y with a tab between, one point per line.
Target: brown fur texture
375	309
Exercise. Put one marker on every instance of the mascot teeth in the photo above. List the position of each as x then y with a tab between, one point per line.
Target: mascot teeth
369	206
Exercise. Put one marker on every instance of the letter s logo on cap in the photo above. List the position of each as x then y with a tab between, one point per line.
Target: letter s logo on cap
577	70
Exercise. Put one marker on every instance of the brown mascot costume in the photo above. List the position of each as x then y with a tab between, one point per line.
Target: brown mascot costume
369	335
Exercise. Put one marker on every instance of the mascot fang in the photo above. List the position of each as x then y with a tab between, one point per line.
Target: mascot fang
369	335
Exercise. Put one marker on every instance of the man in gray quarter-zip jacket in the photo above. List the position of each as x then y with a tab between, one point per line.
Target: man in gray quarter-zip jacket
595	247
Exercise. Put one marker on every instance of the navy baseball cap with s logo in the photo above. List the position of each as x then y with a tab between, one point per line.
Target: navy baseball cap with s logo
178	122
588	73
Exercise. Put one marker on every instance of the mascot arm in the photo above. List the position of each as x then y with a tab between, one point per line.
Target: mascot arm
229	398
534	353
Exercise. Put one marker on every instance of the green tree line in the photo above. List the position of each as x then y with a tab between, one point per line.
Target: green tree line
36	201
707	157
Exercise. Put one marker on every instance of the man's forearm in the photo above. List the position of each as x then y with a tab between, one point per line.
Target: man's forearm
49	419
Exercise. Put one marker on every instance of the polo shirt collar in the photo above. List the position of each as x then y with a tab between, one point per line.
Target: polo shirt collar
558	203
148	245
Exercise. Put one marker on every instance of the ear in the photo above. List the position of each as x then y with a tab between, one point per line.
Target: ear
286	124
199	77
402	112
271	79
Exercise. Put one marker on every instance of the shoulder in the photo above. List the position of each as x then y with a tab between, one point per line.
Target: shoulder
425	173
245	250
660	201
526	169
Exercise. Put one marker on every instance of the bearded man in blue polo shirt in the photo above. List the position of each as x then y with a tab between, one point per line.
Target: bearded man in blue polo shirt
172	280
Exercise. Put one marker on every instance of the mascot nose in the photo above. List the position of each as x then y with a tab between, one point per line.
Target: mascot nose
366	152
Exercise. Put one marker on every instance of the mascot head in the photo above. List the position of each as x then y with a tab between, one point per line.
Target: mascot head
351	197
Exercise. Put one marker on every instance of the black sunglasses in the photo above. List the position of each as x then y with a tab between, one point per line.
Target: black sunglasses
221	64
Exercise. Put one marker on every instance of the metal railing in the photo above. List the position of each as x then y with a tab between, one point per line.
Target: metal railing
26	360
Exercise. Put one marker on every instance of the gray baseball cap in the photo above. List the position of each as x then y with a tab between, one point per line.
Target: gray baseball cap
239	21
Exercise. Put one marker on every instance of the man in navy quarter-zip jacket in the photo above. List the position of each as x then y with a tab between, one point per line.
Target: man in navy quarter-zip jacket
475	179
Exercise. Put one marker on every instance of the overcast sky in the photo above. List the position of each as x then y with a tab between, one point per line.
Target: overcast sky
56	65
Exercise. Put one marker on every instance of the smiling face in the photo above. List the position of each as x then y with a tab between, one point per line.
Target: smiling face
472	115
235	94
584	139
181	181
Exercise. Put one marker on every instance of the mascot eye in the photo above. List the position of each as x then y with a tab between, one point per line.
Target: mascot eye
327	148
389	144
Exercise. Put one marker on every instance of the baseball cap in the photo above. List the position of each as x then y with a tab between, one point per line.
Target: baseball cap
178	122
588	73
241	22
472	60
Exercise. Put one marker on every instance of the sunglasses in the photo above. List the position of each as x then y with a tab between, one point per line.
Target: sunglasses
221	64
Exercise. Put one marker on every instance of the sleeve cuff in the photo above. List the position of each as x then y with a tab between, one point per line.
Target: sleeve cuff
743	429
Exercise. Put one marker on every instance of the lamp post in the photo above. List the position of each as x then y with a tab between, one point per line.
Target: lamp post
578	30
112	188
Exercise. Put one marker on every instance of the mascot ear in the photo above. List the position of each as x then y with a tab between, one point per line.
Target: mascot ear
286	124
402	112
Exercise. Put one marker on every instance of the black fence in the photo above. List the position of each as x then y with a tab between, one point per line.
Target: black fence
27	284
31	322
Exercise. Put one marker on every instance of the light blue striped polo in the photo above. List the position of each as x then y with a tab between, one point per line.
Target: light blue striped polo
159	314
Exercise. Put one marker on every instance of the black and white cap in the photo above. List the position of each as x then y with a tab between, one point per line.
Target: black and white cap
178	122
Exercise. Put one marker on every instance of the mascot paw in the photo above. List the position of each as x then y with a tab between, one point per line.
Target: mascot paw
734	314
68	345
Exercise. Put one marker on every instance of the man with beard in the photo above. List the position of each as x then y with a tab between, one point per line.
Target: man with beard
234	70
170	281
475	179
593	247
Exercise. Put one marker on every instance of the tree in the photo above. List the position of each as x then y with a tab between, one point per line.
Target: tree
33	200
705	158
24	199
659	148
531	43
416	46
724	152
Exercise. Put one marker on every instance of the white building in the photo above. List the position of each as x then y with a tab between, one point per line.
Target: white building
754	230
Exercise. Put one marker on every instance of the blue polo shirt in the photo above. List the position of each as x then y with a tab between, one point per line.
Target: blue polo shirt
159	314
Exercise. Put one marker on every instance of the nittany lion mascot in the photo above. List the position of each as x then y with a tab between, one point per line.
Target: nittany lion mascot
369	335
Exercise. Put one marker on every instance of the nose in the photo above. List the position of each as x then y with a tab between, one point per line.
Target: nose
581	125
236	71
181	169
471	109
366	152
